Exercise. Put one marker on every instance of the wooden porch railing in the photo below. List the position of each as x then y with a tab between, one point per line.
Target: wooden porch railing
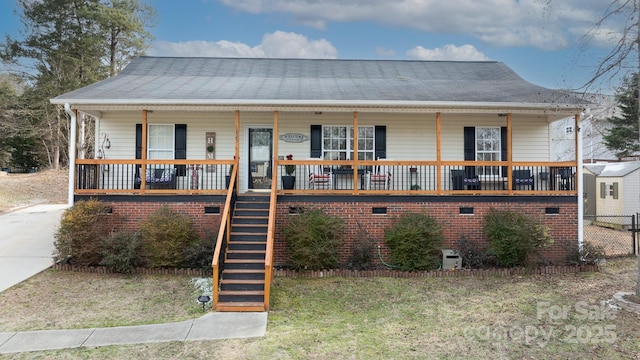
406	177
434	178
95	176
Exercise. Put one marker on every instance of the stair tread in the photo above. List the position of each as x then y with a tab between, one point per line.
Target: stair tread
245	261
241	292
246	251
244	281
241	303
244	271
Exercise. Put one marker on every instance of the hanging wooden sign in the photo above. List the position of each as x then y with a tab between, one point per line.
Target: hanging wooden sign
210	149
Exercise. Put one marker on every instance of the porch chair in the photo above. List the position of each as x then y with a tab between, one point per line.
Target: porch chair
319	178
467	178
566	178
379	178
522	177
157	178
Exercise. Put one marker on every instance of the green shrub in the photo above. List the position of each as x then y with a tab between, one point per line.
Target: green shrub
513	237
121	252
362	251
79	238
165	237
415	241
474	255
314	239
200	255
591	254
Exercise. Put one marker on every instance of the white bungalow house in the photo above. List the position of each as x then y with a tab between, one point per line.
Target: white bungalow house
368	140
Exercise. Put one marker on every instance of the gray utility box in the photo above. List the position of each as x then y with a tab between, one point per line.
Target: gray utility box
451	259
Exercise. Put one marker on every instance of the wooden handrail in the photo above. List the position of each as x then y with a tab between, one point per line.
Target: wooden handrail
268	257
223	234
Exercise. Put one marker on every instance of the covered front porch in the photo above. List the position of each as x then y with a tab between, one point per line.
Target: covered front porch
433	168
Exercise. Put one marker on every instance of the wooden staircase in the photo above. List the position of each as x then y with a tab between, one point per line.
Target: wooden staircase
243	276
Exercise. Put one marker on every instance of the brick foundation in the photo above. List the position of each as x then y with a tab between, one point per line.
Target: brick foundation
129	211
452	212
459	215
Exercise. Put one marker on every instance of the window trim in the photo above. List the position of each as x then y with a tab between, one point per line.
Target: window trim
498	151
172	142
349	141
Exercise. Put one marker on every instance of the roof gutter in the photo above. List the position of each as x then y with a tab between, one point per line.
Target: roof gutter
366	103
556	110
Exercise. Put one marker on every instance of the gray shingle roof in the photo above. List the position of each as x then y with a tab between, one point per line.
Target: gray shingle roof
619	169
212	80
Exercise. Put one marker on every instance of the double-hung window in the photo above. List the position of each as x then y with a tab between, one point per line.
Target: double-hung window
337	142
160	142
488	148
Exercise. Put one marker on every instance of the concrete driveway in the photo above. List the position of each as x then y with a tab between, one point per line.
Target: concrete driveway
26	242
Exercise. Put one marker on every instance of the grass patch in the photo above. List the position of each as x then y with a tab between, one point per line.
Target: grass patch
391	318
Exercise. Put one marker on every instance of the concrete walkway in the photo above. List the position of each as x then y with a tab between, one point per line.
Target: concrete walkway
26	242
26	248
212	326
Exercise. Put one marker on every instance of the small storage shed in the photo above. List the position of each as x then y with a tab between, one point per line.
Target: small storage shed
617	187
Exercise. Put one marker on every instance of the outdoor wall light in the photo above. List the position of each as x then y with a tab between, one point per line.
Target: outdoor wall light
204	299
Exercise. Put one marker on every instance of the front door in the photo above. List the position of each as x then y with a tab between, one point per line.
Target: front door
260	158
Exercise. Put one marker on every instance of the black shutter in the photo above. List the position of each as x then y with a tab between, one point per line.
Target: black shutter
138	141
380	142
180	148
469	143
316	141
503	150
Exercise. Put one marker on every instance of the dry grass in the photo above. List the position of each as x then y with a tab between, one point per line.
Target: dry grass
340	318
44	187
613	242
67	300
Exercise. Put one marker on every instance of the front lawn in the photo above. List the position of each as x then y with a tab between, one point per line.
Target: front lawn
558	316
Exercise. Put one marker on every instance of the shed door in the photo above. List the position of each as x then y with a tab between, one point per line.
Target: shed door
589	182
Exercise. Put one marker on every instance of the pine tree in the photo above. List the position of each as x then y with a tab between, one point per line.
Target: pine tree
622	137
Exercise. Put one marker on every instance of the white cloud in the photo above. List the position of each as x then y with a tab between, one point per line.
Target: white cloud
448	52
291	45
384	52
205	49
278	44
536	23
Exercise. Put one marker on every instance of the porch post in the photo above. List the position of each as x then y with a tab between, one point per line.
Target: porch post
355	152
236	157
274	171
509	154
143	152
439	153
580	185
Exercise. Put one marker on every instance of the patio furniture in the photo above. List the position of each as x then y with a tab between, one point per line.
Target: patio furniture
378	179
319	178
566	178
522	178
467	178
157	178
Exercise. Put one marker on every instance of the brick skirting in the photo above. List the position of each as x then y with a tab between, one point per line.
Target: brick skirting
549	270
